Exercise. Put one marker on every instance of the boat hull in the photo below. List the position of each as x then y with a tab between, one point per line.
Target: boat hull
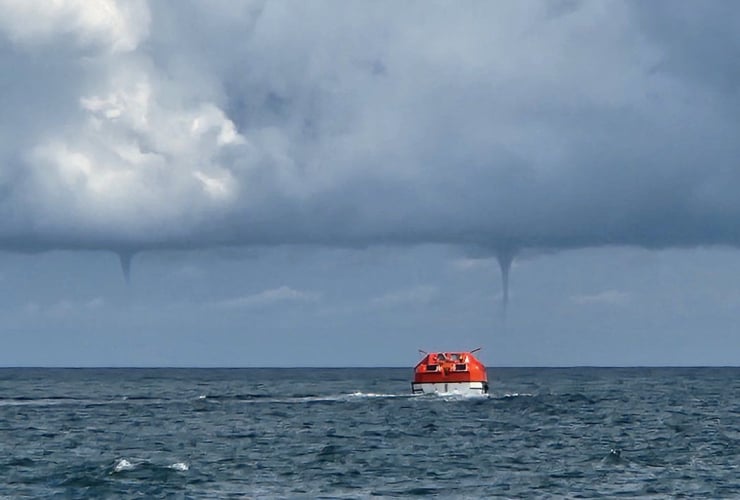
465	388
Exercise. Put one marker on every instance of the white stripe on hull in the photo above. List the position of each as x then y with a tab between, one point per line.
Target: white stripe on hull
449	388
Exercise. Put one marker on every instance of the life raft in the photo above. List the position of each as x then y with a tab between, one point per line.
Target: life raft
450	372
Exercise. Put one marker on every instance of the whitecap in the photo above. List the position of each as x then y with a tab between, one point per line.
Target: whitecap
359	394
457	396
122	465
180	466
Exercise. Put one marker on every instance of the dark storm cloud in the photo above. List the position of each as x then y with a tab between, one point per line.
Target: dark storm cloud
504	126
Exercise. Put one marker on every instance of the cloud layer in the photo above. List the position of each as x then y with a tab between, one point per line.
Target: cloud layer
132	125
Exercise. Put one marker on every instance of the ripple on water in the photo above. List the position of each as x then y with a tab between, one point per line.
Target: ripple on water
333	433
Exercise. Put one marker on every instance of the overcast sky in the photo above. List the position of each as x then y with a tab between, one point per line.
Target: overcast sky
341	183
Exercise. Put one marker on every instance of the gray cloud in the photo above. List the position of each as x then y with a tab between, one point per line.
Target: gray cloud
268	298
495	126
607	297
422	294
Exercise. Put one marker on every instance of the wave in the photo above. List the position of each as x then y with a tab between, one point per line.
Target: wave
516	395
123	465
456	396
305	398
72	401
360	394
203	399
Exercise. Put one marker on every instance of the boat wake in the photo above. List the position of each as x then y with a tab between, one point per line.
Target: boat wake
452	396
359	395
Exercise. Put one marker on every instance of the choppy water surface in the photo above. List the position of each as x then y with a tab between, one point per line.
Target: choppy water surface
355	433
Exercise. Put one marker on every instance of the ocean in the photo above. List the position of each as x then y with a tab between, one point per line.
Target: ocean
359	433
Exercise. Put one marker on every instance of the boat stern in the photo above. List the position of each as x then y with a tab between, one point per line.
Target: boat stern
450	372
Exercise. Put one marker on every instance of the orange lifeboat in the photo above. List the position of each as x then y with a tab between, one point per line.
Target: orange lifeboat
450	372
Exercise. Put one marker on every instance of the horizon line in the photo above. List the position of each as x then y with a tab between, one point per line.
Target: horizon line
410	367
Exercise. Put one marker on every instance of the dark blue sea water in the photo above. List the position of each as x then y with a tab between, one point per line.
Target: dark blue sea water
358	433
